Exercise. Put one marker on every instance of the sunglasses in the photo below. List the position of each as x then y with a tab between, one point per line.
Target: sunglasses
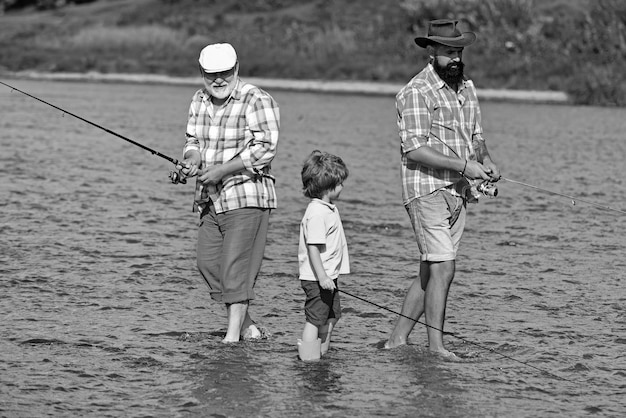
224	75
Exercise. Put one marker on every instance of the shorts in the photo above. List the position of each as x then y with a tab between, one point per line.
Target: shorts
321	304
230	251
438	220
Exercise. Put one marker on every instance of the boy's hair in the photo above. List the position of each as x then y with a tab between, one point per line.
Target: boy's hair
322	172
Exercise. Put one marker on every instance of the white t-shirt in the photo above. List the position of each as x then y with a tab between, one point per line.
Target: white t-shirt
321	224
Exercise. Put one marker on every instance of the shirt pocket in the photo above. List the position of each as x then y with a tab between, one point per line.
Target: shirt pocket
444	119
235	131
444	128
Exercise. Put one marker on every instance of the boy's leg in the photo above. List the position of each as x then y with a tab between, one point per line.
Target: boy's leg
310	332
325	333
333	301
324	330
315	311
317	308
309	347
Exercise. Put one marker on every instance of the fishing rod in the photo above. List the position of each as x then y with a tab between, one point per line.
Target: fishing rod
489	189
174	176
465	340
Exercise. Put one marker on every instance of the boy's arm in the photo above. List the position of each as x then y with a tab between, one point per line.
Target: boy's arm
315	258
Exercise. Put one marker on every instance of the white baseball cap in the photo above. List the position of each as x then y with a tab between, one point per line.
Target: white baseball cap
217	57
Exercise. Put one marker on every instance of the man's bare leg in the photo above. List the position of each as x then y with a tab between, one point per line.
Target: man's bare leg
236	315
435	300
413	307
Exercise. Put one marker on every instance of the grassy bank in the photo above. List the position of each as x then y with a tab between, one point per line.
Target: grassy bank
575	46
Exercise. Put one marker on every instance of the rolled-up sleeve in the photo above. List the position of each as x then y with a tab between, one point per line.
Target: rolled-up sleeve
414	120
263	117
191	138
475	115
477	134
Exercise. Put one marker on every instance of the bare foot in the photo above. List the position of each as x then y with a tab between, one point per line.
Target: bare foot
393	343
251	333
446	355
230	340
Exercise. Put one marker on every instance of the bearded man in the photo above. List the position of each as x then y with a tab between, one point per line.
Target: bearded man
442	151
230	142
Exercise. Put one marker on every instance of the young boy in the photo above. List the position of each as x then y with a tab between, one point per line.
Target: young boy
322	252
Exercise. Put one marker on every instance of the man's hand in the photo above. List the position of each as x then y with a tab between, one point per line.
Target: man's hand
211	175
190	166
492	169
475	170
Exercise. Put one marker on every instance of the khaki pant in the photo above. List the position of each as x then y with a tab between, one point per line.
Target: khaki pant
230	251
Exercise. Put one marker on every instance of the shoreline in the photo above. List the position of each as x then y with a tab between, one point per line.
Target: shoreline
314	86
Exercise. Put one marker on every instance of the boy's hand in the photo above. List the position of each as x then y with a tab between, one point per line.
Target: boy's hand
327	283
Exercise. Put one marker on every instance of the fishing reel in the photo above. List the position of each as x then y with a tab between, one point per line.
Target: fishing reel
474	191
177	177
488	189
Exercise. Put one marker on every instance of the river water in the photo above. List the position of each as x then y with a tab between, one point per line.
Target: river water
103	313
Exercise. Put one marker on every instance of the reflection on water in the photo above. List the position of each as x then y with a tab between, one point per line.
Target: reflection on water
103	312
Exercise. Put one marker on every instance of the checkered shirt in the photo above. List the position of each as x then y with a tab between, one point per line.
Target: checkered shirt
246	126
432	114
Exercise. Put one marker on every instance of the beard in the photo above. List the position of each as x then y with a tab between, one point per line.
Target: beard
451	73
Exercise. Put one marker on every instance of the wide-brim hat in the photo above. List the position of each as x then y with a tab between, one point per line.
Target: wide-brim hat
445	32
215	58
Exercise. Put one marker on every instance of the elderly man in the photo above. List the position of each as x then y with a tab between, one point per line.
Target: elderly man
442	151
231	140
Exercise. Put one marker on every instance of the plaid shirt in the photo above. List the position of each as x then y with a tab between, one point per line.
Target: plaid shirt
432	114
246	126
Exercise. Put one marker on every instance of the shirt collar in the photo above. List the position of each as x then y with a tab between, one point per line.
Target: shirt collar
329	205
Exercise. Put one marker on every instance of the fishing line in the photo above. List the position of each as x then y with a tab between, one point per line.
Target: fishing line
572	198
152	151
452	334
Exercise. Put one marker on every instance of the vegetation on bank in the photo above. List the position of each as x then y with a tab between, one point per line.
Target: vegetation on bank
575	46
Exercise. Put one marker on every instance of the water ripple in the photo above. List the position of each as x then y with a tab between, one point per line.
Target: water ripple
103	312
